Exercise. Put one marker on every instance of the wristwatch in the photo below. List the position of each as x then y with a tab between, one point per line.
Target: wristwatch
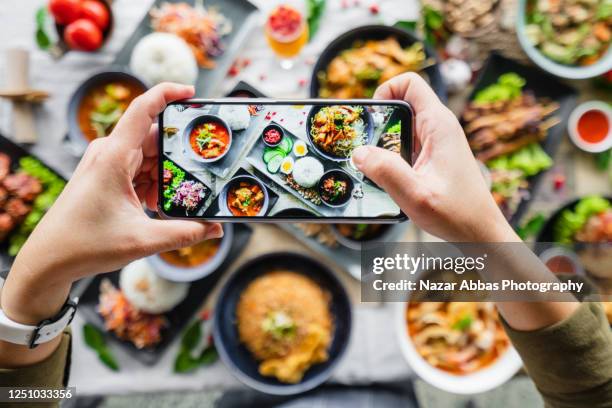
46	330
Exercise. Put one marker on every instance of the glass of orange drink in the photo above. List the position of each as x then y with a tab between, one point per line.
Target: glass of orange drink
287	33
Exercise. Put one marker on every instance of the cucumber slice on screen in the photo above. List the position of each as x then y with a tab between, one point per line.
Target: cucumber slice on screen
269	154
275	163
286	145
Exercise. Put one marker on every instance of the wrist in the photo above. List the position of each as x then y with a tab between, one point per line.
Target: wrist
29	297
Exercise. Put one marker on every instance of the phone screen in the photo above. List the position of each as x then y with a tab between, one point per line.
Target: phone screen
236	159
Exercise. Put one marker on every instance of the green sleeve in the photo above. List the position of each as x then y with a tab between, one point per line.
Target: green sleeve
50	373
570	361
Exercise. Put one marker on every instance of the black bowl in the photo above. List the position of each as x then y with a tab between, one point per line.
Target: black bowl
375	32
339	175
76	136
366	116
547	234
235	355
270	127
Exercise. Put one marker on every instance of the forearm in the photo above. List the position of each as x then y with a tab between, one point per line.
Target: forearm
514	260
28	298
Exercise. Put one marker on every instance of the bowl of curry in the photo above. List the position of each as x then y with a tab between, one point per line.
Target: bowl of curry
195	262
207	138
98	103
244	196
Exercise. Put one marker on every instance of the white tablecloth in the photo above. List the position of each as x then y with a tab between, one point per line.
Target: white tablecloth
373	354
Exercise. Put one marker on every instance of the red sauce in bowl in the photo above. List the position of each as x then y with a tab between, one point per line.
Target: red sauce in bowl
561	264
593	126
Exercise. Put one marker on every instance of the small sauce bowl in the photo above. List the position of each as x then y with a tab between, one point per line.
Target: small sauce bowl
590	126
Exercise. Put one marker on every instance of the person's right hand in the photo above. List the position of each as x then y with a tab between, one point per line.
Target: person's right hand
444	192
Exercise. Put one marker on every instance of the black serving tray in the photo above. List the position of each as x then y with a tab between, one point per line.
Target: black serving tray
215	206
543	85
177	317
15	152
179	211
241	13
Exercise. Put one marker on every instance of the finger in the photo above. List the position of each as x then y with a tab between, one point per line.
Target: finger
151	196
388	170
410	87
168	235
135	124
151	142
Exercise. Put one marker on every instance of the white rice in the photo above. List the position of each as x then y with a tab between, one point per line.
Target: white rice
148	292
236	116
161	57
307	171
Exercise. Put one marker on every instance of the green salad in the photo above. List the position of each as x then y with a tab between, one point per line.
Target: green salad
572	221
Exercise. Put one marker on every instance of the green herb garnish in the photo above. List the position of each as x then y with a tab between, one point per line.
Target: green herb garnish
532	227
315	8
95	340
279	324
464	323
188	359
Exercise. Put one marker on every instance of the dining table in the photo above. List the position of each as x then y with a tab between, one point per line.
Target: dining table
373	354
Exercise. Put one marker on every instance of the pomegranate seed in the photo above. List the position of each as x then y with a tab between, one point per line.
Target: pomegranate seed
374	9
559	182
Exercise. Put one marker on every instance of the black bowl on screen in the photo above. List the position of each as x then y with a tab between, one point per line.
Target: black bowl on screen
375	32
338	175
276	127
239	359
366	116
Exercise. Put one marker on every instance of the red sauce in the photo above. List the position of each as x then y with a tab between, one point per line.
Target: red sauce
272	136
593	126
561	264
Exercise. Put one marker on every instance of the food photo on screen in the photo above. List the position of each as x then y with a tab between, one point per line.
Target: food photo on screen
241	160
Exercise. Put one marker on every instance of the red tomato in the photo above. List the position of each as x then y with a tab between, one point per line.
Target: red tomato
96	12
83	35
65	11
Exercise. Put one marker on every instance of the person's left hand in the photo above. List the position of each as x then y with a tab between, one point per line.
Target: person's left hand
98	223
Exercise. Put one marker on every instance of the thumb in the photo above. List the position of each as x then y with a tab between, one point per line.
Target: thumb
388	170
167	235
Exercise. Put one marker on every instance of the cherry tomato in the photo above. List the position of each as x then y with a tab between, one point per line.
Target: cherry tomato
83	35
65	11
96	12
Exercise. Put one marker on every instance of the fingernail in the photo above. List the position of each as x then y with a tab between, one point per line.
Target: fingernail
359	156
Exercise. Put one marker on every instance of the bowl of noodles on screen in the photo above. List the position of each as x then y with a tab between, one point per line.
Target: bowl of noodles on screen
458	347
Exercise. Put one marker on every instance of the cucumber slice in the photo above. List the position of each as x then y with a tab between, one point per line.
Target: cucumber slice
269	154
286	144
275	163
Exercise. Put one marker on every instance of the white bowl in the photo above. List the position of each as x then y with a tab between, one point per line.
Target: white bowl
603	65
190	274
485	379
572	126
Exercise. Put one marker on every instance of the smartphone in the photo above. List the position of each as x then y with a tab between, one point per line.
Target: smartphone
269	160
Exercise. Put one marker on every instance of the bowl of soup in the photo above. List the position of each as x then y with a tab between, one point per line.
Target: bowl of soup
207	138
244	196
194	262
98	103
456	346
